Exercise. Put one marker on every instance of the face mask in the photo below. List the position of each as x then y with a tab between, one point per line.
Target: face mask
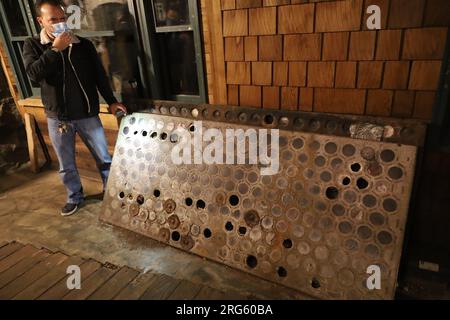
59	28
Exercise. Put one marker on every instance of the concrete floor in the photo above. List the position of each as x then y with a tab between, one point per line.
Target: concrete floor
29	213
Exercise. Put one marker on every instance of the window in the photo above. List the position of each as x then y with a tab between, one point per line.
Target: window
112	28
175	49
178	52
148	48
15	24
171	13
15	17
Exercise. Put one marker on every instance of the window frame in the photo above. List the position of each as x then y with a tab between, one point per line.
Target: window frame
148	61
12	47
146	16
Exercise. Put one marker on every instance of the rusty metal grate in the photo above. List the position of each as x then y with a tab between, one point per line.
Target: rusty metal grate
337	206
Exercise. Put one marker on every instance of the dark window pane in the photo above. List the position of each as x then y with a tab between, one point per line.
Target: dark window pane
119	57
15	18
179	52
31	7
99	15
119	50
25	81
171	12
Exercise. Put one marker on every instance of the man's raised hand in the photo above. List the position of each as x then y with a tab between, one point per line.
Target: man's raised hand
62	41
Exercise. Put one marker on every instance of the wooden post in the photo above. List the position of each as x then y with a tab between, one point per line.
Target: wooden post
32	150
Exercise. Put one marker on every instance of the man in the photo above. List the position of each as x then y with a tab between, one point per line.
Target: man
69	72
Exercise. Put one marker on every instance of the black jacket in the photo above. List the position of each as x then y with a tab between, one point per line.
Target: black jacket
45	69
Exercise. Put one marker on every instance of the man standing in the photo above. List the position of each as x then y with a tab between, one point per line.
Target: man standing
69	73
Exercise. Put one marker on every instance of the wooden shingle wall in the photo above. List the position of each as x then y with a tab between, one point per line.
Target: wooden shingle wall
320	56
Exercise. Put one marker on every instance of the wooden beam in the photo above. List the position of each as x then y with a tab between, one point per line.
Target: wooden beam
37	102
32	150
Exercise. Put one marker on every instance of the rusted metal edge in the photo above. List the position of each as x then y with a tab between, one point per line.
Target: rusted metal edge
402	131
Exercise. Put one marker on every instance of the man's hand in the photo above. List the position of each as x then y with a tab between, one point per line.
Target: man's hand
62	41
116	107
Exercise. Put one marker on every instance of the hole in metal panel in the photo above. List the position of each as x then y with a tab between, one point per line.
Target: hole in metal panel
356	167
282	273
251	261
346	181
201	204
362	183
234	200
287	243
315	283
269	119
207	233
332	193
176	236
140	199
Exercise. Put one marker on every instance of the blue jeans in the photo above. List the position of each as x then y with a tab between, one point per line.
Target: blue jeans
92	134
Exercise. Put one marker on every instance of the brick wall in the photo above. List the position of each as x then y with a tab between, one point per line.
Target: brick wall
319	55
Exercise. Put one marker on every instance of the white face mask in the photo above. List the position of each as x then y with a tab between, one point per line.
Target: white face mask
59	28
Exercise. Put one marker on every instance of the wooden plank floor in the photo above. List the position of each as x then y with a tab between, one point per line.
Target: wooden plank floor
30	273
